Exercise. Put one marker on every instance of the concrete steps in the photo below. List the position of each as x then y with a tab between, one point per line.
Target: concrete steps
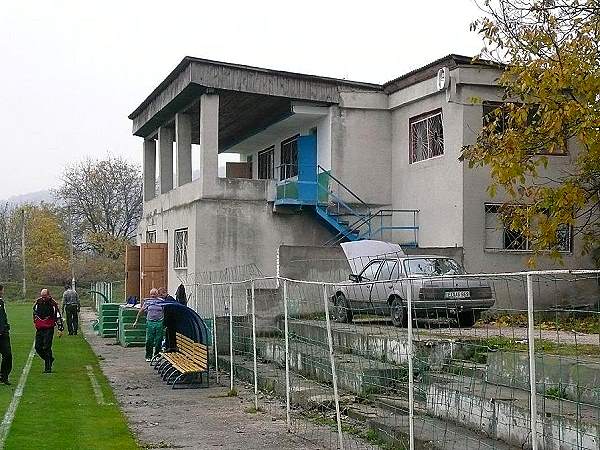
482	396
388	421
503	413
355	373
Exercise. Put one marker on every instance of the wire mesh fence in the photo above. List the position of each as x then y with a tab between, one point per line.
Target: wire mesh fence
453	362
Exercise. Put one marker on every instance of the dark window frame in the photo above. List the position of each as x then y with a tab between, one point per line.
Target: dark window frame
489	106
425	117
289	162
514	240
266	172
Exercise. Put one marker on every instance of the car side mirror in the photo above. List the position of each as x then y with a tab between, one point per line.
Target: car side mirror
355	278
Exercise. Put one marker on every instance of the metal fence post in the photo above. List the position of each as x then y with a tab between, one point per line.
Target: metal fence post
287	357
254	346
411	384
531	345
336	396
231	336
214	331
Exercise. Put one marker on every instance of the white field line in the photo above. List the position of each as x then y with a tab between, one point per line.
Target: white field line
10	412
96	387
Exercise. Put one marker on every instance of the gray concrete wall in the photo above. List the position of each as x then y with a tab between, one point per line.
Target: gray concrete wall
433	186
361	138
312	263
476	257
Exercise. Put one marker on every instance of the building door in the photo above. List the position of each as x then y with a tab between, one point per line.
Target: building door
307	169
132	271
154	273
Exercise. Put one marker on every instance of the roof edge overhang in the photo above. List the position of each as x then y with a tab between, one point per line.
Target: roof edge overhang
192	76
430	70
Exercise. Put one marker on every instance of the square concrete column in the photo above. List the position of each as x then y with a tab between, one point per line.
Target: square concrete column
209	140
165	159
149	169
183	138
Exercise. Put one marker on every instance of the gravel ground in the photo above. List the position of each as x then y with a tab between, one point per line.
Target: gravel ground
162	417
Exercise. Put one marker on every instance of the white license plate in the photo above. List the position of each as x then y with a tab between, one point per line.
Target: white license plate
457	294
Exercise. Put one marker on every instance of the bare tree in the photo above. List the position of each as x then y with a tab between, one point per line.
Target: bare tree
103	199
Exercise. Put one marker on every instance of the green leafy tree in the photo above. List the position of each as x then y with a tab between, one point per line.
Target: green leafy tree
551	82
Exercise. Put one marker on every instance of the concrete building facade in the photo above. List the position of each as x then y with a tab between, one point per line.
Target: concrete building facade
314	144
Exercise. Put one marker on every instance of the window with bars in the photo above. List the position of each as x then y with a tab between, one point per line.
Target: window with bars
180	254
150	237
266	164
500	237
426	134
289	158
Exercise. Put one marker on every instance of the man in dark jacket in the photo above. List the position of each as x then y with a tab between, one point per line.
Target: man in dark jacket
46	315
70	309
5	349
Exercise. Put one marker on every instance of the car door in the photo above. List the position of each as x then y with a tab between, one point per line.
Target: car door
360	294
381	290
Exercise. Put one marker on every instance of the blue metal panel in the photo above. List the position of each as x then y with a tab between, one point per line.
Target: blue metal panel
307	169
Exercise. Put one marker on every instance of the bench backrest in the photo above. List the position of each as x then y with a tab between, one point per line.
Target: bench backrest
193	351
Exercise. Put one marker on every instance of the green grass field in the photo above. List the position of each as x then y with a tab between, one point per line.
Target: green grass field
60	410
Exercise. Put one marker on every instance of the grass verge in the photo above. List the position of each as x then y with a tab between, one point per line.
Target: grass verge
61	410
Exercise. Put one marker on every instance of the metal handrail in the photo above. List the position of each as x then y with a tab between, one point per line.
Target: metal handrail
341	184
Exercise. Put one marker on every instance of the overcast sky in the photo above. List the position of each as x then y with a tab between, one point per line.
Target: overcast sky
73	70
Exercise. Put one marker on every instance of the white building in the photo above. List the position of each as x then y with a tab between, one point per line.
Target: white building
323	160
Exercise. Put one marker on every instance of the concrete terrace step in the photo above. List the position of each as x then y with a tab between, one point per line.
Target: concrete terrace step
503	413
387	421
356	374
384	343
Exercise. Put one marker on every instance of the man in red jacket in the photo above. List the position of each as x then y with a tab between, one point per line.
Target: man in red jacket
46	315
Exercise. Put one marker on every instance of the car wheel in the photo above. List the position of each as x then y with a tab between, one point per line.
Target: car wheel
343	313
467	318
398	313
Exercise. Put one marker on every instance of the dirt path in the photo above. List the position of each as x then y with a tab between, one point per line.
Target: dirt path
191	419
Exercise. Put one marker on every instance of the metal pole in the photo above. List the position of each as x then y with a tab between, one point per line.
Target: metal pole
254	347
24	287
231	337
287	358
531	345
214	331
336	396
411	385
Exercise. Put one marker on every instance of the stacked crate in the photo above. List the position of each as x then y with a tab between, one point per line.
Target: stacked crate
108	317
129	336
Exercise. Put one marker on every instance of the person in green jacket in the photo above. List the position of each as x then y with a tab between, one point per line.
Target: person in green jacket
5	348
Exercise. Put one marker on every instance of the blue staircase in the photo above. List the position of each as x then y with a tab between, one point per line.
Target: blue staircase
346	214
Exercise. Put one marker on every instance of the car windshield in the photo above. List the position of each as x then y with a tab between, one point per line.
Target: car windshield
432	267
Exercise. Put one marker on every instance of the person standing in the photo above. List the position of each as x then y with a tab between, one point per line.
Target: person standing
164	294
5	348
153	308
70	309
46	316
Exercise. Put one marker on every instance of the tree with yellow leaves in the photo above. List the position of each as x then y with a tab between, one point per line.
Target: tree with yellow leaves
46	246
551	53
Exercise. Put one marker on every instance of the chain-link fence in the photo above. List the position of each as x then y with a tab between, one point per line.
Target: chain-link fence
453	362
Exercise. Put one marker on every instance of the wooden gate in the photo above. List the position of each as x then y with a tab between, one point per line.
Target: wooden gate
132	271
153	261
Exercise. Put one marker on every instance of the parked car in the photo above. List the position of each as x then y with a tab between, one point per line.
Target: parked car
443	297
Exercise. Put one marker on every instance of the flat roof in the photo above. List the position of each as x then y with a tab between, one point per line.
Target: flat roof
294	75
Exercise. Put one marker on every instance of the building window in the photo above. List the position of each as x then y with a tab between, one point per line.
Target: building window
289	158
181	242
266	164
499	237
150	237
426	136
